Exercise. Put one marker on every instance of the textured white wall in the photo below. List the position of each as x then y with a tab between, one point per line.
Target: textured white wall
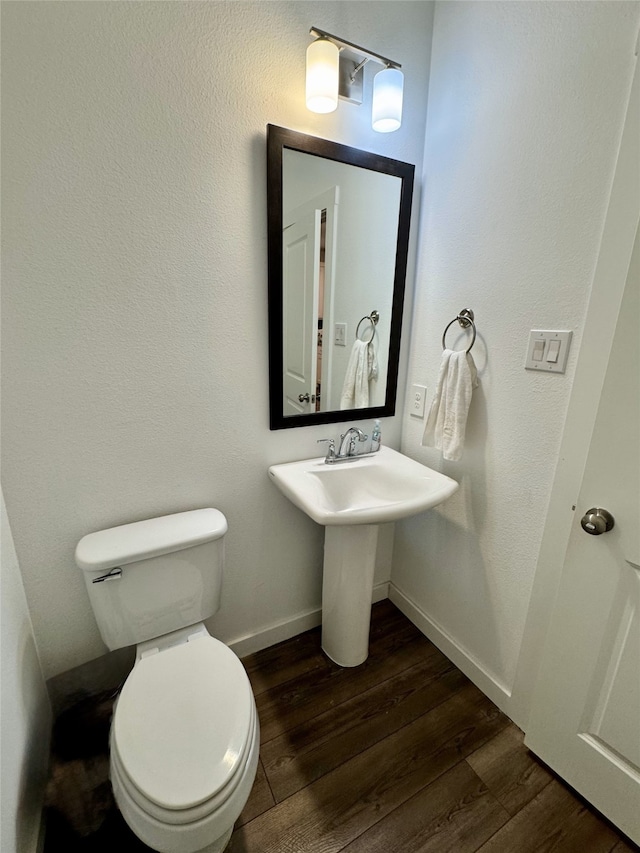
134	282
26	713
526	104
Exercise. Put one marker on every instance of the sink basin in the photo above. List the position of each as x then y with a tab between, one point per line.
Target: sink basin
351	499
372	490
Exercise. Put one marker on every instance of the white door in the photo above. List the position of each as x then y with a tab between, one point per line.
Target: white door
585	719
301	276
325	204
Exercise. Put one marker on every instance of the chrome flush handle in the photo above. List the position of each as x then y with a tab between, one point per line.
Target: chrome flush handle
112	575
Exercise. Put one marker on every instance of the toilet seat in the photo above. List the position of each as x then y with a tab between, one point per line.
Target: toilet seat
209	834
180	817
183	725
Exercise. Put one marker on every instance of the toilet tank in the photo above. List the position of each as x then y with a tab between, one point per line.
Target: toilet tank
151	577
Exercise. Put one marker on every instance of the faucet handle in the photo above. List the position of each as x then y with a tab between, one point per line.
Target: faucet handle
331	450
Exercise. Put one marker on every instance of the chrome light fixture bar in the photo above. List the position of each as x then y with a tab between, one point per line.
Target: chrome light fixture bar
335	70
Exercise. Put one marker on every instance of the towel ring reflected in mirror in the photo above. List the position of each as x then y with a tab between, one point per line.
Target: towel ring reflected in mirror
373	319
465	318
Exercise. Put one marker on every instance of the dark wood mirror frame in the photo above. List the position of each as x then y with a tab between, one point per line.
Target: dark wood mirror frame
279	139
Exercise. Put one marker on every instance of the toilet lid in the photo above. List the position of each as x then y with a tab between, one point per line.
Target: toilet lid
182	722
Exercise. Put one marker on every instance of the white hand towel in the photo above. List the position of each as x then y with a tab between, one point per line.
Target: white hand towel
447	418
355	391
372	355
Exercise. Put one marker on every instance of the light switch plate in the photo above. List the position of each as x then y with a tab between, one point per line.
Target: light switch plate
417	400
538	337
340	335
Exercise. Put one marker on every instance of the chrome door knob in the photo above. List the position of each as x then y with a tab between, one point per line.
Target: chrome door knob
596	521
304	398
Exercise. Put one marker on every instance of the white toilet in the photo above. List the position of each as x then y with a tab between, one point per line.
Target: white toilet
185	733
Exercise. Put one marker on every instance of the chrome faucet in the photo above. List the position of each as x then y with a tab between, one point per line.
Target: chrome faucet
347	449
348	442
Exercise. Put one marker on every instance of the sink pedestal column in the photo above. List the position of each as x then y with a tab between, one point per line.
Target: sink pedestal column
349	562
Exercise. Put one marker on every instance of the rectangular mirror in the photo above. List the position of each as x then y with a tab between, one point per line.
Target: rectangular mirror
338	221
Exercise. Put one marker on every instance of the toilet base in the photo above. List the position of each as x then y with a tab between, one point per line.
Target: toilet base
219	844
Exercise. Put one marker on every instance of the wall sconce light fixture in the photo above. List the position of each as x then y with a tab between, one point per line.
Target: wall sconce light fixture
335	70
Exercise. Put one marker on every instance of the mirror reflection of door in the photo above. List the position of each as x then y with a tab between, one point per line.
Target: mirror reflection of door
308	252
323	255
301	278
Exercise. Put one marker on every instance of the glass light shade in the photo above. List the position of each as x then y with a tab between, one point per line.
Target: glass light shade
386	112
322	76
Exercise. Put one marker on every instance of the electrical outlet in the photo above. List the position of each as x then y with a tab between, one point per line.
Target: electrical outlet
417	400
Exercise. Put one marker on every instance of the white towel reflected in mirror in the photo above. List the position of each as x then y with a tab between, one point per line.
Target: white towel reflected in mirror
361	369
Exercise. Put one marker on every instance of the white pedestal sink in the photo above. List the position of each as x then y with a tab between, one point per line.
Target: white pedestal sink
347	584
351	498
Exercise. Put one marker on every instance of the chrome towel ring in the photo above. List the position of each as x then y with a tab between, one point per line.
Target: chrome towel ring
466	318
373	319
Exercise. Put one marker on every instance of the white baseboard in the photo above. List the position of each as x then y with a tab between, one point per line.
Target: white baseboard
288	628
463	659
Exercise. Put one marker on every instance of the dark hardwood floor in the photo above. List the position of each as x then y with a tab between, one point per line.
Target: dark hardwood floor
400	755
